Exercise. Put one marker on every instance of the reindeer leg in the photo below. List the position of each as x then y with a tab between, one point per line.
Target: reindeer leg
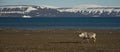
94	40
82	41
88	41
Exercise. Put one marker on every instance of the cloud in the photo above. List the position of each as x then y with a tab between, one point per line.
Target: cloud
1	2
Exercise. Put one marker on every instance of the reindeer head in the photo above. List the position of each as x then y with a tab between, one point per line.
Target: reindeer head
81	34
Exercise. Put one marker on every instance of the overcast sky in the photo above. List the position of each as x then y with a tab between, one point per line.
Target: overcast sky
61	3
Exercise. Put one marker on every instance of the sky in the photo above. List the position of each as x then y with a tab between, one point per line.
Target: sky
61	3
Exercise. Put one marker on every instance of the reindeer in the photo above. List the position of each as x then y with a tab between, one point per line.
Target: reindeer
88	36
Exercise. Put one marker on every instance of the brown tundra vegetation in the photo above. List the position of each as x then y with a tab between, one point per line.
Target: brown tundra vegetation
58	41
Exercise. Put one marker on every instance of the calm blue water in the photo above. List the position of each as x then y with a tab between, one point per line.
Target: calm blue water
60	23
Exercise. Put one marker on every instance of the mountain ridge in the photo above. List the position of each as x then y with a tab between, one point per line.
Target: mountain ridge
50	11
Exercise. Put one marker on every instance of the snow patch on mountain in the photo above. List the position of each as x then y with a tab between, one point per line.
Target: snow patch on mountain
30	9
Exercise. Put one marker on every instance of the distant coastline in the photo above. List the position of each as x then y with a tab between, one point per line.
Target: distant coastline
49	11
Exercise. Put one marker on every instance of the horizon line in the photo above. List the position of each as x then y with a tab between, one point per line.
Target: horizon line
64	6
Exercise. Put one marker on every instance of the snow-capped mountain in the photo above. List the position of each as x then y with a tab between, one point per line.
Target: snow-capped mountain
51	11
90	8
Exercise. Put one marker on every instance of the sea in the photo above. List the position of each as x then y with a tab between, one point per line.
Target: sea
59	23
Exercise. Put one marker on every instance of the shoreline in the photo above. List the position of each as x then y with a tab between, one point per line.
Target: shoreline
56	29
